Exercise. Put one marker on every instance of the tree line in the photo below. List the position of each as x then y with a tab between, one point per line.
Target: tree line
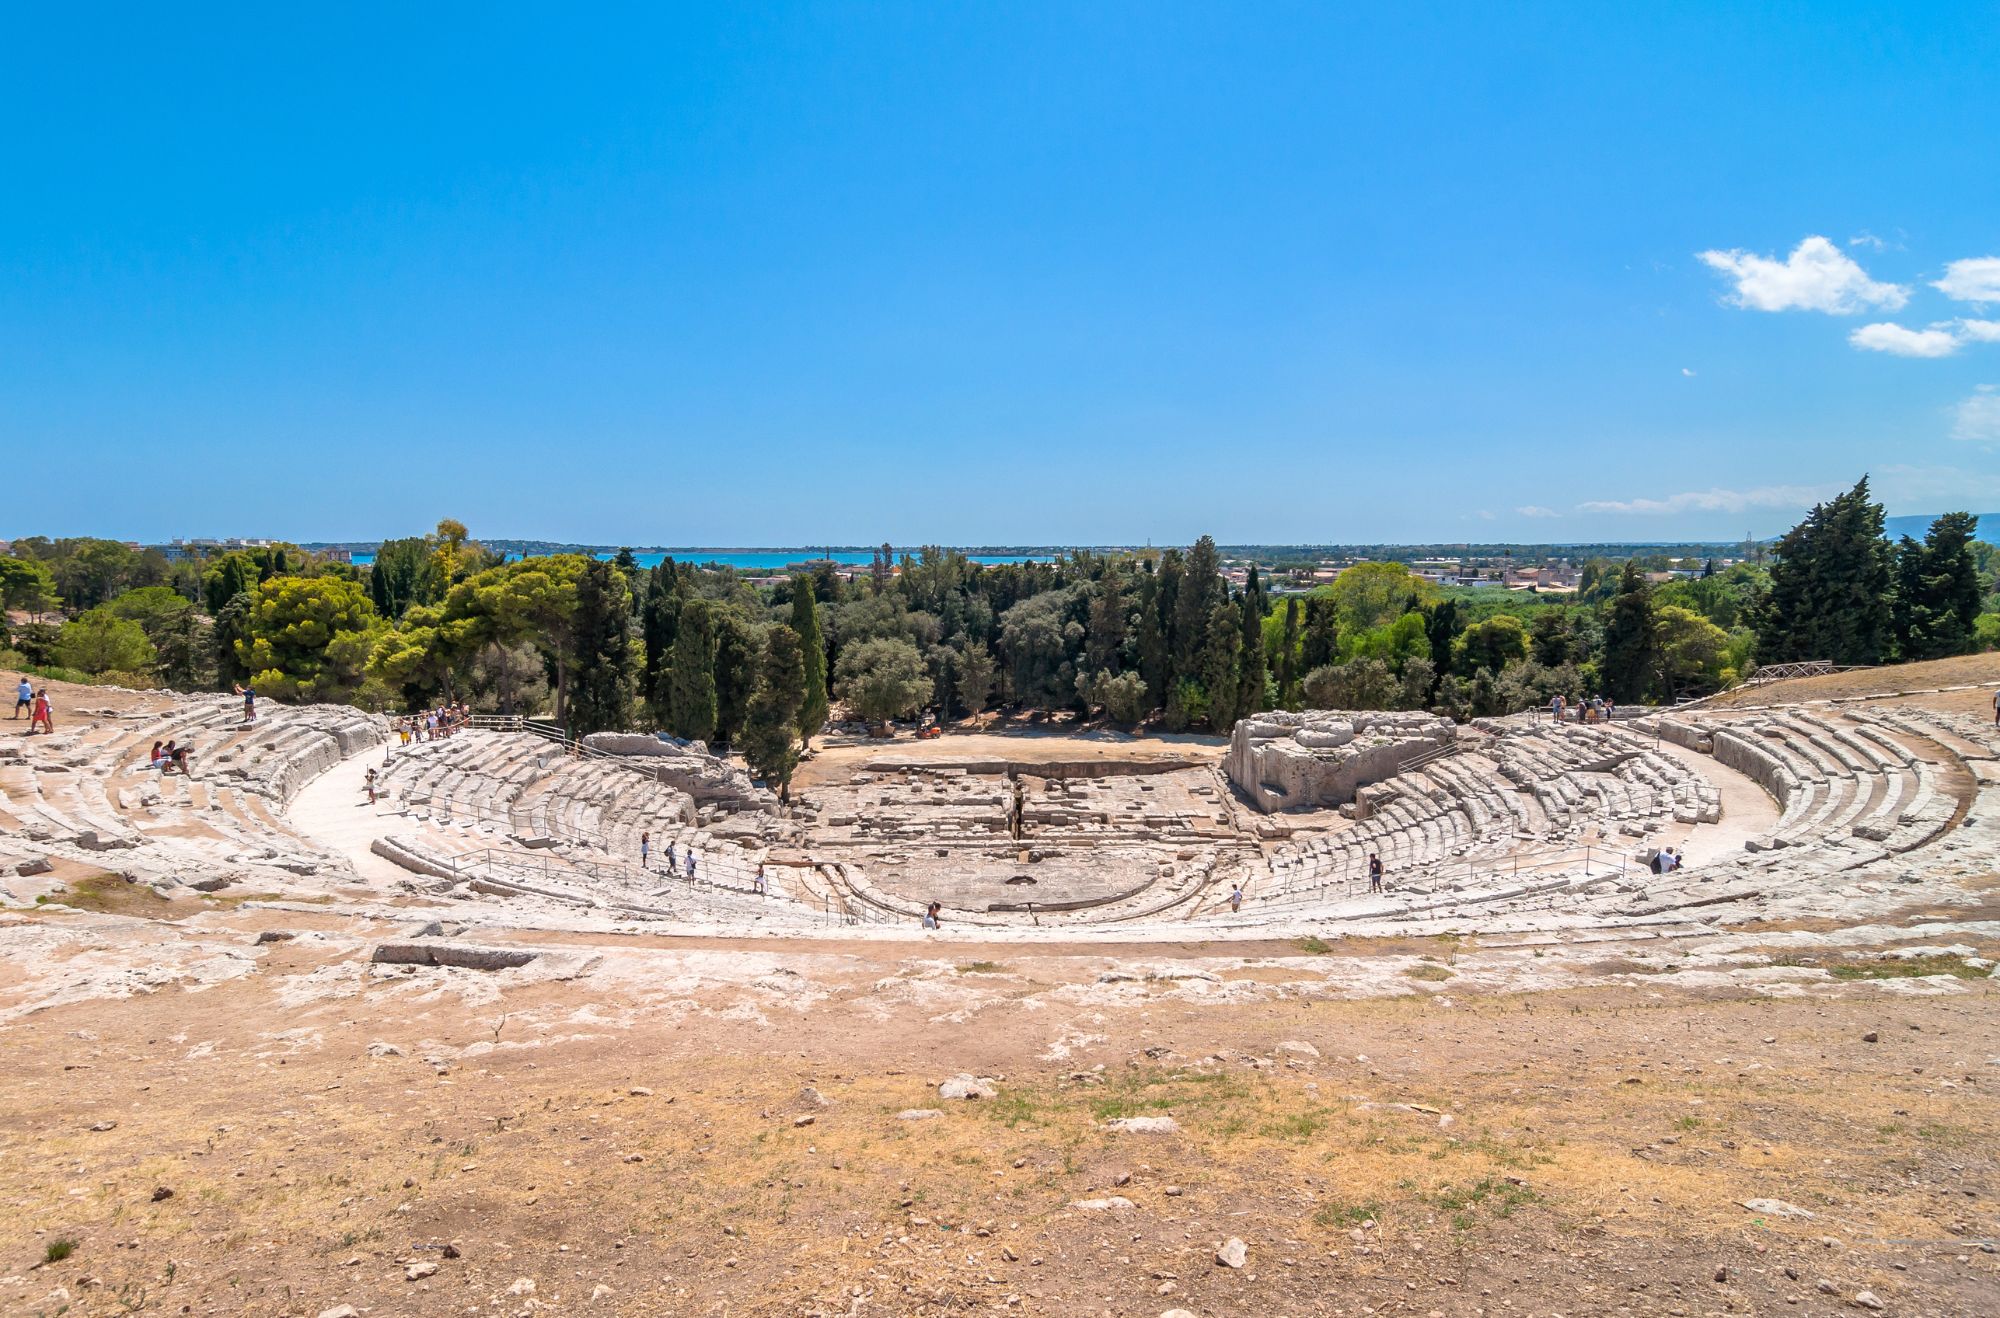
1167	638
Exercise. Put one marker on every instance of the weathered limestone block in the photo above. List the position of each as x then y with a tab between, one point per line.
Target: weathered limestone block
1320	758
689	768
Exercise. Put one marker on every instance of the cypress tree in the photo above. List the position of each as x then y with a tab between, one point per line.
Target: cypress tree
736	663
1831	592
1200	584
1937	590
1105	638
658	619
1288	657
1252	669
1441	628
691	680
601	695
812	651
1629	639
1152	641
1222	660
1321	643
770	730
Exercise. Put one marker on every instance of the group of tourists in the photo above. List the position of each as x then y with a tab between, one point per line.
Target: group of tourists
674	858
169	757
1665	861
433	724
37	705
1597	709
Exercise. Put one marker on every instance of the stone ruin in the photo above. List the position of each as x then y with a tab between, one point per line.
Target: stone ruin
688	767
1317	759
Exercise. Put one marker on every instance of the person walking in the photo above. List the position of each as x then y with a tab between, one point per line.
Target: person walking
24	698
1556	708
645	849
673	861
1236	897
690	864
39	713
1374	873
763	889
370	783
934	916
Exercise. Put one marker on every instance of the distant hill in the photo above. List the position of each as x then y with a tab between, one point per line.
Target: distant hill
1916	524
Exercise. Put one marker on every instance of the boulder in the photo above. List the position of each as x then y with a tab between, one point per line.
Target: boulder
966	1086
460	955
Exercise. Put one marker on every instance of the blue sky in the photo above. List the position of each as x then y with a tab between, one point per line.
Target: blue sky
996	274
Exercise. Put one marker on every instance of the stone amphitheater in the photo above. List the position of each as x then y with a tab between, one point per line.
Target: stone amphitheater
1508	824
274	1049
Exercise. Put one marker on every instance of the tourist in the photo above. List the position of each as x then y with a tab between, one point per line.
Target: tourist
249	695
1673	860
1996	709
1374	873
24	698
645	848
180	758
369	782
1658	864
690	864
1610	709
154	760
39	713
763	890
1556	708
1236	897
673	862
934	916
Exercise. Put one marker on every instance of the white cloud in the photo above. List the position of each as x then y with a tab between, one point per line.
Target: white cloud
1976	279
1716	501
1978	331
1817	276
1484	515
1891	338
1536	510
1977	419
1688	372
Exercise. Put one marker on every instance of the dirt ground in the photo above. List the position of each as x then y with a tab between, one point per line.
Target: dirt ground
835	761
1921	677
318	1134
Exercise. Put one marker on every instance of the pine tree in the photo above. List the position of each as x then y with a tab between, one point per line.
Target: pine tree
1630	651
812	650
1288	657
1222	658
601	694
770	730
691	680
1251	671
